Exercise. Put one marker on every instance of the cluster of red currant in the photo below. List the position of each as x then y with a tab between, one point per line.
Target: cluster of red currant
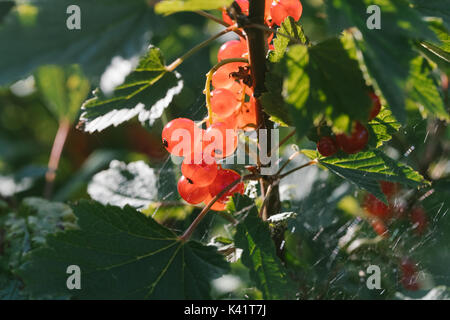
202	178
231	106
382	213
275	13
329	145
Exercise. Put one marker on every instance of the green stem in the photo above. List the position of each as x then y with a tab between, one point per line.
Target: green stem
298	168
209	76
212	17
55	156
198	47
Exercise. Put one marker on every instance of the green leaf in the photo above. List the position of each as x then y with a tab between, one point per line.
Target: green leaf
37	34
64	89
290	28
434	8
387	52
23	231
172	6
146	92
442	33
324	79
423	93
135	184
382	128
28	228
438	51
366	169
259	254
123	254
272	99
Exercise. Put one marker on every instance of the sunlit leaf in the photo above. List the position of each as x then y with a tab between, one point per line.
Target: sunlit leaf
146	92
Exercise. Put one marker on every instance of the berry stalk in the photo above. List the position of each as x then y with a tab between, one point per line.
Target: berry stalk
198	47
209	76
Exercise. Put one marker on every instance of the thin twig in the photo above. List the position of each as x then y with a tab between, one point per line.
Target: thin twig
282	142
298	168
218	20
212	17
198	47
55	156
292	157
262	211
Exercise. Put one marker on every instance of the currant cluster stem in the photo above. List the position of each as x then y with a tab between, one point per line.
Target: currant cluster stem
209	76
198	47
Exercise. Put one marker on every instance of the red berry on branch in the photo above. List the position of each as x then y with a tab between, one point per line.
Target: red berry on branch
376	106
220	140
379	227
232	49
281	9
247	116
181	137
217	206
224	178
190	192
327	146
243	4
388	188
223	102
376	207
356	142
199	170
409	275
222	77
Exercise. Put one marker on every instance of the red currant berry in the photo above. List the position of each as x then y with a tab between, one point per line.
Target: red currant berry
224	102
409	275
232	49
247	117
379	227
327	146
388	188
181	137
244	8
220	140
376	106
198	169
218	205
281	9
190	192
231	121
376	207
356	142
224	178
222	77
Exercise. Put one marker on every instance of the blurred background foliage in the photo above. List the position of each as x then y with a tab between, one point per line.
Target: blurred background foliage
317	258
